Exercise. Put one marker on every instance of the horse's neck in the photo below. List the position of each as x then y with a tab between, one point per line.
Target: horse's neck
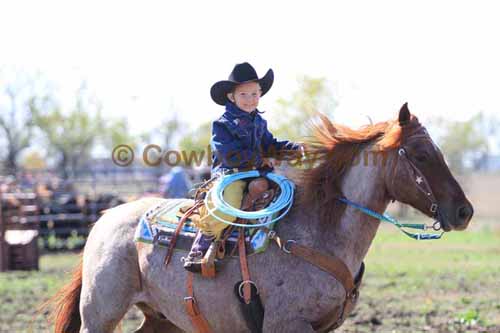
355	232
351	237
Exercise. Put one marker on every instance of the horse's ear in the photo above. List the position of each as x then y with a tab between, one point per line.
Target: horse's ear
404	115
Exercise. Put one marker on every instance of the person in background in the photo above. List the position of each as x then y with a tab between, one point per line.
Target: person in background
175	184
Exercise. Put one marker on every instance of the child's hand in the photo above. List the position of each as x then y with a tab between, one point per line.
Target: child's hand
267	163
302	149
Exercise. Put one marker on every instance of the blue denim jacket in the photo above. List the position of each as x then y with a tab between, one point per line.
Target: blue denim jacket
241	140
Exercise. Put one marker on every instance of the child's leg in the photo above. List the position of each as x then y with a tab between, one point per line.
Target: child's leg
233	194
210	228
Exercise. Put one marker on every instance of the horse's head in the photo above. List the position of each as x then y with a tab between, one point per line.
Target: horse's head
420	177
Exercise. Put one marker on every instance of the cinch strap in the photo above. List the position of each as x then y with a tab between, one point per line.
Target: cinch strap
199	322
245	273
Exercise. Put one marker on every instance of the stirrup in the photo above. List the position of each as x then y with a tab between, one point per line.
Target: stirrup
206	264
192	266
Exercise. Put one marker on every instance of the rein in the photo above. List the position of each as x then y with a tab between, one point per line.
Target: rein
387	218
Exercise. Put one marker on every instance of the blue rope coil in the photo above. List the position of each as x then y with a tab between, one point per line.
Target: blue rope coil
283	201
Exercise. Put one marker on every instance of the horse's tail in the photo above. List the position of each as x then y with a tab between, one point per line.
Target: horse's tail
65	314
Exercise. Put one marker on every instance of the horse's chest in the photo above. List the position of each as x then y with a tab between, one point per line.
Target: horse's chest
319	301
307	296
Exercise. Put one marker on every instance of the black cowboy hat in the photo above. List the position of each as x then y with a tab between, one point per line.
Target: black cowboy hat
242	73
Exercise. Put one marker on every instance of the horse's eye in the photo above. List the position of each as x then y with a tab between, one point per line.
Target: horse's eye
421	157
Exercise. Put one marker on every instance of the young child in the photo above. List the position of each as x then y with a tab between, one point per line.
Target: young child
240	140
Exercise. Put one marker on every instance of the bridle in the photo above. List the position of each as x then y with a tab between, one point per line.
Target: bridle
421	182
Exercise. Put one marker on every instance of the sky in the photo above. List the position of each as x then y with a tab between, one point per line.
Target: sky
148	60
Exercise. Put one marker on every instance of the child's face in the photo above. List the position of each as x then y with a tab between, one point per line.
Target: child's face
246	96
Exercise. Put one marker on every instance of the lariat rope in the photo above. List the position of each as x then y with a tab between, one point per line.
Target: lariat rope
283	202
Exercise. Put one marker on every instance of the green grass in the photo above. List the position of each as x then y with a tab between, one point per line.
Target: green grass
22	292
451	285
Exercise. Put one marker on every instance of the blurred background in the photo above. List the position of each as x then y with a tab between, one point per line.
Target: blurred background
77	80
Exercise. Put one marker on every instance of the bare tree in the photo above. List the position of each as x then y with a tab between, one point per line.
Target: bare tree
71	134
312	95
466	143
16	119
166	133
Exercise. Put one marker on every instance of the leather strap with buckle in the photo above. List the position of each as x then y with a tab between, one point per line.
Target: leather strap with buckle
180	224
245	273
334	266
199	322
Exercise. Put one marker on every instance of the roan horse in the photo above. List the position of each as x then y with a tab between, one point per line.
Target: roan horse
115	274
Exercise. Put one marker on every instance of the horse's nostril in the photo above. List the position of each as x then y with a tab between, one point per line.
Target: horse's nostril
464	213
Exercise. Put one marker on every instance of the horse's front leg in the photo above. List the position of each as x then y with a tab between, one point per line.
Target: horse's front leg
297	325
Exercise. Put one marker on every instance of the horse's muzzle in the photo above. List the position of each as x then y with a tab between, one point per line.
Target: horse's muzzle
457	217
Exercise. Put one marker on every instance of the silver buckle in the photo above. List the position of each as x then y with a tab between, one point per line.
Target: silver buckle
285	249
436	226
434	207
240	288
353	295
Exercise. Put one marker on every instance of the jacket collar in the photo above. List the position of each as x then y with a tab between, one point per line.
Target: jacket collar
236	112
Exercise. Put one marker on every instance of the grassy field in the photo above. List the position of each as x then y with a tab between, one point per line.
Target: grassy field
452	285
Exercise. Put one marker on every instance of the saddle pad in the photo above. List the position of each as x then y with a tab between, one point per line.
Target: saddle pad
158	224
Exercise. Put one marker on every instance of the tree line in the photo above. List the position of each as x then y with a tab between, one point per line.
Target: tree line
30	115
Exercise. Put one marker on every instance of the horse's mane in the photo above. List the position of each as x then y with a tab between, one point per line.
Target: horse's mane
333	150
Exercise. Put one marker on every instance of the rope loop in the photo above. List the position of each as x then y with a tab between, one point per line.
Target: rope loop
282	203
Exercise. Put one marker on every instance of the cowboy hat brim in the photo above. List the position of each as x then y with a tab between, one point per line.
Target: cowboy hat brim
220	89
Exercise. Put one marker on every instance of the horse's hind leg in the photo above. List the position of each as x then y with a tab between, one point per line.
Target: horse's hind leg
154	322
105	298
110	279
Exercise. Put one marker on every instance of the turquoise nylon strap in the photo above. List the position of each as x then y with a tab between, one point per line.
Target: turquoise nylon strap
392	220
